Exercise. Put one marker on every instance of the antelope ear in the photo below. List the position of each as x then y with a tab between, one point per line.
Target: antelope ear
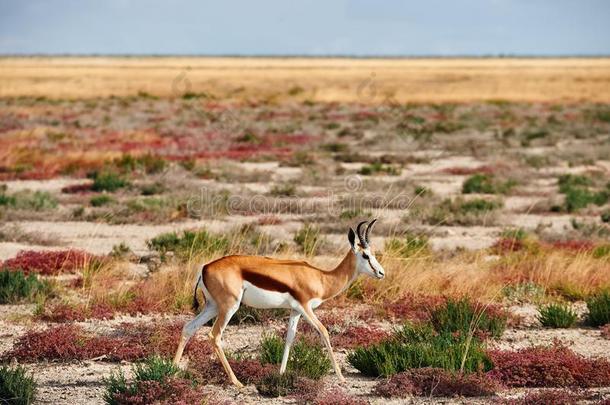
351	236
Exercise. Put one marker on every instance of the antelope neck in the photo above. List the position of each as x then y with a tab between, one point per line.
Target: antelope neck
340	278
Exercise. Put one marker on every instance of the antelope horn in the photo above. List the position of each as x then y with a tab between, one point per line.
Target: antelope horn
359	233
368	231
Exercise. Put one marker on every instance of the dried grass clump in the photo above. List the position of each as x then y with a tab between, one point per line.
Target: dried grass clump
436	382
49	262
473	274
555	366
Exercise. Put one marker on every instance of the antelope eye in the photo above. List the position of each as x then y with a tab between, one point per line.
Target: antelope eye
365	256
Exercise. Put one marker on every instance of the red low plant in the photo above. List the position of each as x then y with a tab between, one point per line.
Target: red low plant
131	342
555	366
507	245
359	336
469	170
208	370
49	262
174	391
605	331
99	310
77	188
338	396
269	220
573	245
436	382
412	307
550	397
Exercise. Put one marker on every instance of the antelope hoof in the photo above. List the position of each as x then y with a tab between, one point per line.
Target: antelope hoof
237	384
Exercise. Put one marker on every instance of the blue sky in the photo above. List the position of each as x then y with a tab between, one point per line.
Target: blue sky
307	27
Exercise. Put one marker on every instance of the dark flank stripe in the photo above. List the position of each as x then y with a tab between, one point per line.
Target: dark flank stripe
268	283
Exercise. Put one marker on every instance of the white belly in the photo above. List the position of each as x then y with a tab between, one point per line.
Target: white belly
260	298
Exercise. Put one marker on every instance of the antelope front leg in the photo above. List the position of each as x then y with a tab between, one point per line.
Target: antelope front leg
313	320
292	330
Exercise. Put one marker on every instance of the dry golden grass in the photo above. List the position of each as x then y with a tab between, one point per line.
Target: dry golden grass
370	81
476	275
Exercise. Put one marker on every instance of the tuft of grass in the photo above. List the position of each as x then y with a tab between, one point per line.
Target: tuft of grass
271	349
277	385
466	317
601	251
309	360
308	238
417	346
462	212
154	368
189	244
407	246
599	309
148	163
27	200
107	181
379	168
557	316
578	194
100	200
306	358
16	386
154	379
16	287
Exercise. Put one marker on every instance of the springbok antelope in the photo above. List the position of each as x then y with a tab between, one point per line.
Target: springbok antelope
263	282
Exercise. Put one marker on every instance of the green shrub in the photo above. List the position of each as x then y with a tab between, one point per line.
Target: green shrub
189	244
152	189
409	245
479	183
601	251
309	360
16	386
486	184
466	317
417	347
152	369
27	200
283	190
6	200
478	205
306	359
599	309
557	316
100	200
514	234
272	349
379	168
107	181
16	287
577	193
462	212
277	385
150	164
308	239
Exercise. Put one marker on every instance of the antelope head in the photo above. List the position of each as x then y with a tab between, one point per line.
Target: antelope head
366	263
